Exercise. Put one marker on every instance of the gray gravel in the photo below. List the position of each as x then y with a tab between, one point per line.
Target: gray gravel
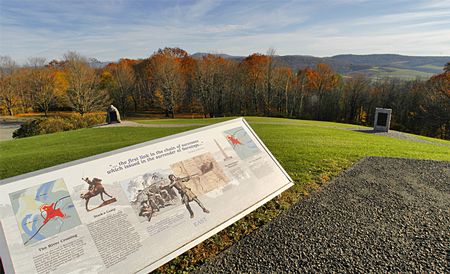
7	128
401	136
382	215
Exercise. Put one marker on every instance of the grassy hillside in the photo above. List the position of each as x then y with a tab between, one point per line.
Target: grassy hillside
311	152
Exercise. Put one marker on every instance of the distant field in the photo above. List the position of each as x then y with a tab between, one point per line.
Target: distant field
434	67
311	154
405	74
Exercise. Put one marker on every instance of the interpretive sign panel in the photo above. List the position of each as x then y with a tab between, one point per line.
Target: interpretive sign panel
133	209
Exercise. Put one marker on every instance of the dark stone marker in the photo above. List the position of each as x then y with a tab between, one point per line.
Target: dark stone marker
382	119
112	115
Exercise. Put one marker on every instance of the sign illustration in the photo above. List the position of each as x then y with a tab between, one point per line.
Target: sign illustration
241	142
43	211
95	188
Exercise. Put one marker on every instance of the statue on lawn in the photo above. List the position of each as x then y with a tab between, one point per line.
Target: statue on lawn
112	115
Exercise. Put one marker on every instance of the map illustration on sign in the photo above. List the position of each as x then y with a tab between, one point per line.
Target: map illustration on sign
241	142
43	211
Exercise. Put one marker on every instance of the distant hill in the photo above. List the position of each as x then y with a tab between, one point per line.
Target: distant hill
372	65
199	55
93	62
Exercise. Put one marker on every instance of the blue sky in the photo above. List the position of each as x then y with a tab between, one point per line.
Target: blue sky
111	29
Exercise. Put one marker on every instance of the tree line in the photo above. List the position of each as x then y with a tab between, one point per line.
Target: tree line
172	82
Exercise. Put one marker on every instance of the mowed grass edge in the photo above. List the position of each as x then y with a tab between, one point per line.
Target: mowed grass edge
310	154
250	119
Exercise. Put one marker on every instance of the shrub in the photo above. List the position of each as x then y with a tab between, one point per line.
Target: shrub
87	120
94	118
58	123
55	124
29	128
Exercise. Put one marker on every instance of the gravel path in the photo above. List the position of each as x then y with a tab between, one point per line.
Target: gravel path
7	128
399	135
382	215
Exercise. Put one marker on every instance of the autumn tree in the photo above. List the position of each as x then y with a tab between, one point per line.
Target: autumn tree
323	82
441	82
145	86
10	84
121	83
301	88
165	67
281	87
42	84
83	93
436	104
354	92
190	102
255	68
234	89
269	79
447	67
211	83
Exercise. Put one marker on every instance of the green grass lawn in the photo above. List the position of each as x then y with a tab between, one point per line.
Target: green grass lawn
250	119
307	148
199	121
308	152
311	154
33	153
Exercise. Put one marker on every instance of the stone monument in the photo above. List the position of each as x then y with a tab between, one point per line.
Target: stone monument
382	119
112	115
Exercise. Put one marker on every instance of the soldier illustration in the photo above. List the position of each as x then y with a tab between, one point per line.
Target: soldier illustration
166	192
92	183
148	199
186	193
95	188
155	192
146	211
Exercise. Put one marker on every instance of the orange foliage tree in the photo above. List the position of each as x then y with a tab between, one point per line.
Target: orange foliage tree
165	67
323	81
120	81
212	85
254	68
